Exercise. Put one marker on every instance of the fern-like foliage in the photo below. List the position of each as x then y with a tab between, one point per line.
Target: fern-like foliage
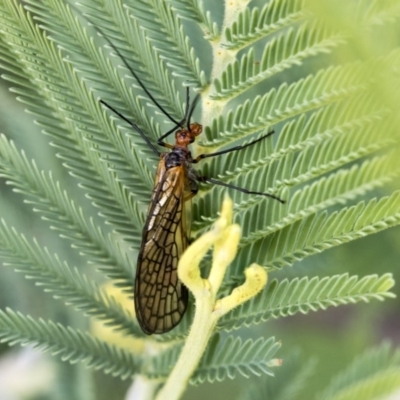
254	24
257	69
71	345
59	278
288	383
58	209
374	374
289	297
281	53
233	358
285	298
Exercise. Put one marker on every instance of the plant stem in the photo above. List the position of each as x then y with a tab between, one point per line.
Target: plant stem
224	237
201	330
142	388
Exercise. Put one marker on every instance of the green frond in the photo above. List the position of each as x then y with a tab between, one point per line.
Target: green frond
222	360
315	142
255	24
69	344
282	52
88	160
290	297
89	57
337	188
307	94
55	206
131	40
319	232
379	12
288	101
375	374
64	282
356	112
193	10
159	367
325	156
234	357
293	168
165	31
289	380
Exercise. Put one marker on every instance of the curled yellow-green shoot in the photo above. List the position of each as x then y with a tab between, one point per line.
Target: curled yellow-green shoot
224	237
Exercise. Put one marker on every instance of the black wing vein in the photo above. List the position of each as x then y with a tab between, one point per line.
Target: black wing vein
160	298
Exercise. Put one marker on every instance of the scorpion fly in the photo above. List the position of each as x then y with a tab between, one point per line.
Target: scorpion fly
160	298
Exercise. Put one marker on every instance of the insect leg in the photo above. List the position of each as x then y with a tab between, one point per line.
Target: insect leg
240	189
240	147
190	196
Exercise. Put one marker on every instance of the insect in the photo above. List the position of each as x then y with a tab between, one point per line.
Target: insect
160	298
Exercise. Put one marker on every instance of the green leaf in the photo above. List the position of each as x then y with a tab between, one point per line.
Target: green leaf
63	281
375	374
255	24
287	383
282	52
68	344
61	212
194	11
289	297
229	359
319	232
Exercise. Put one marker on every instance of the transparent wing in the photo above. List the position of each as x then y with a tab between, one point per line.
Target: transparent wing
160	298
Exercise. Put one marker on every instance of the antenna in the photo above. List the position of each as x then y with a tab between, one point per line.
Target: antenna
134	74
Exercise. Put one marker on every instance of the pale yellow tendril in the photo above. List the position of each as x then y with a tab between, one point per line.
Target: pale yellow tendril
224	237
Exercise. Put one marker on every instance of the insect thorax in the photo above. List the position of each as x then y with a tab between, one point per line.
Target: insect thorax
176	157
181	157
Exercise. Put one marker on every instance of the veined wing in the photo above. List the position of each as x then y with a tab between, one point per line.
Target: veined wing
160	298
